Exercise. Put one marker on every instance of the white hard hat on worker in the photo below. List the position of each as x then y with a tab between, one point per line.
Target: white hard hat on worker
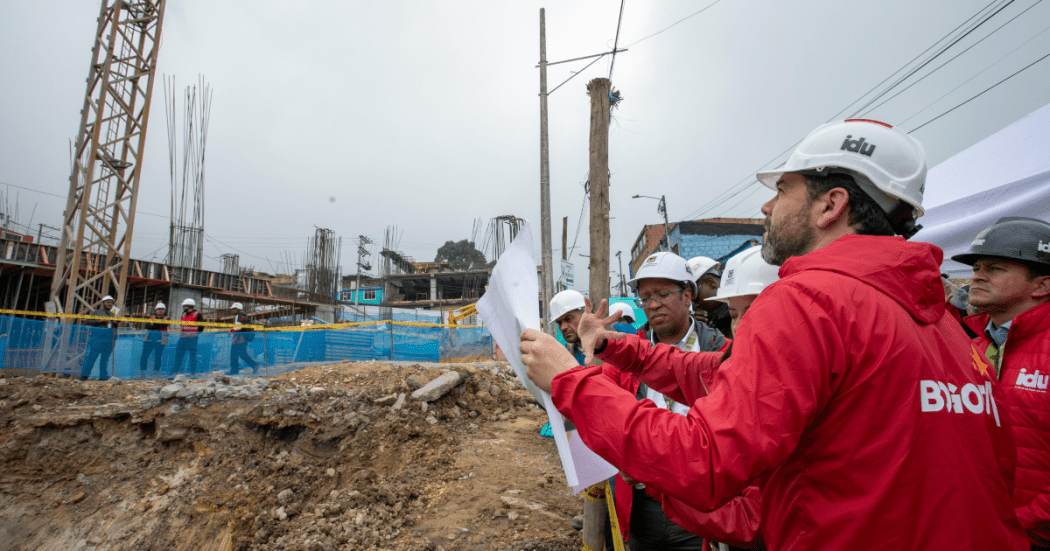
745	276
665	265
887	164
565	310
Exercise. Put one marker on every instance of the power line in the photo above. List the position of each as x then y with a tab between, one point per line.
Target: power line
749	180
65	197
675	23
935	56
579	223
939	67
963	83
616	43
979	94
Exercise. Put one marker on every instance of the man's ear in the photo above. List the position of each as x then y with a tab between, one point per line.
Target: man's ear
1041	287
830	208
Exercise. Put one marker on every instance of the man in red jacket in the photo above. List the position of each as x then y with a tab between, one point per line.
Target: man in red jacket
1011	288
862	411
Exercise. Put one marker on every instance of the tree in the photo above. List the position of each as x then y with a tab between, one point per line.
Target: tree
461	255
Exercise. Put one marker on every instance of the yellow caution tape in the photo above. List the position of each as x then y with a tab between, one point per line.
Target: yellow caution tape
230	325
610	500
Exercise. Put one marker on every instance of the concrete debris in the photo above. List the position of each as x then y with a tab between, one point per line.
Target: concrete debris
387	400
399	403
285	495
438	387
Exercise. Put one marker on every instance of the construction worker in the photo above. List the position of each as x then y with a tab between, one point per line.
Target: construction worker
100	339
239	342
852	399
155	340
1011	287
714	314
188	335
665	287
626	316
737	523
566	307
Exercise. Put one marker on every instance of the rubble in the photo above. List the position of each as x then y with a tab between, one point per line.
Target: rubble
246	463
438	387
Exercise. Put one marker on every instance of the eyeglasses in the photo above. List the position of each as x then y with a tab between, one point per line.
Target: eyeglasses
660	298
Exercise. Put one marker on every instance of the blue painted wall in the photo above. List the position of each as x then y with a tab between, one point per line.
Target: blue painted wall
711	246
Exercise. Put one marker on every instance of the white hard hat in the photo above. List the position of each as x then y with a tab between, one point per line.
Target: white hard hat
890	163
665	265
237	305
565	302
160	306
747	274
701	265
107	297
189	302
627	311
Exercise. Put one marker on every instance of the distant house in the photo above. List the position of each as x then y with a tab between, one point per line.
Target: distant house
717	238
369	295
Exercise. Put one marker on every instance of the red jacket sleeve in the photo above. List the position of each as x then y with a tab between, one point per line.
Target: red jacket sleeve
685	379
779	379
1035	518
735	523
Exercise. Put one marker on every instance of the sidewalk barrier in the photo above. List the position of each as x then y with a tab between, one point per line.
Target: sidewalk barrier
49	346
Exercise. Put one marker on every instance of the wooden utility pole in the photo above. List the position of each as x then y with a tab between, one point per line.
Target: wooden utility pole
547	287
599	89
564	238
594	508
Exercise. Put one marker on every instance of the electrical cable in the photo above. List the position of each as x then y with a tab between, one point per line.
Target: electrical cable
616	42
979	94
963	83
935	56
913	60
579	223
865	113
675	23
748	181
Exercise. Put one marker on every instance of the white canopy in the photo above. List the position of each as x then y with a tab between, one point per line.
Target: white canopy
1007	174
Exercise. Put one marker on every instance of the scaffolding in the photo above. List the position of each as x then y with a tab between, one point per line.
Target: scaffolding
97	226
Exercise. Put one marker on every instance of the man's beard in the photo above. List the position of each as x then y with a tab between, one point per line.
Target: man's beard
793	236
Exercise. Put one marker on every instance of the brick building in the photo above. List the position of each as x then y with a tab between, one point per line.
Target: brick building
718	238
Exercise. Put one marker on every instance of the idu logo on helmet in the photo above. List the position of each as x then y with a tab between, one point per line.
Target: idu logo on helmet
1044	248
857	146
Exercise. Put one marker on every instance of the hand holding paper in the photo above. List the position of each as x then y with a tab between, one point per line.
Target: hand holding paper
544	357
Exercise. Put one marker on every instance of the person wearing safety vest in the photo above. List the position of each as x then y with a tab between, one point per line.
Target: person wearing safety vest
714	314
239	341
155	340
1011	288
100	339
855	403
187	345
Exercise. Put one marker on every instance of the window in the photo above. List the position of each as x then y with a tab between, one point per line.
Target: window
368	294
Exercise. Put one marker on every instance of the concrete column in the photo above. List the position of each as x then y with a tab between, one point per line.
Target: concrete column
433	287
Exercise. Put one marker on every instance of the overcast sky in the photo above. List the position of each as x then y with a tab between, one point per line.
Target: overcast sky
356	116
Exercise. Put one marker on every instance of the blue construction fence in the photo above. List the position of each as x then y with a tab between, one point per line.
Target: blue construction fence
79	350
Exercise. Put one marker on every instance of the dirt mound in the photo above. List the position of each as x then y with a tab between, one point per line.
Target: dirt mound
325	458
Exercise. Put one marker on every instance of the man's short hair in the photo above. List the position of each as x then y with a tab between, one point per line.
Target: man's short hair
865	215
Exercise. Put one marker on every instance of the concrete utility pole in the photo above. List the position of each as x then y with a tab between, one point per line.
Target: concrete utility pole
564	238
599	89
547	289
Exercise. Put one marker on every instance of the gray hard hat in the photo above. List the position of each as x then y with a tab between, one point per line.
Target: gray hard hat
1024	240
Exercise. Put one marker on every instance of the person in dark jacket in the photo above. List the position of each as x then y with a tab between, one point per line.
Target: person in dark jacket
240	339
155	341
100	341
706	310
